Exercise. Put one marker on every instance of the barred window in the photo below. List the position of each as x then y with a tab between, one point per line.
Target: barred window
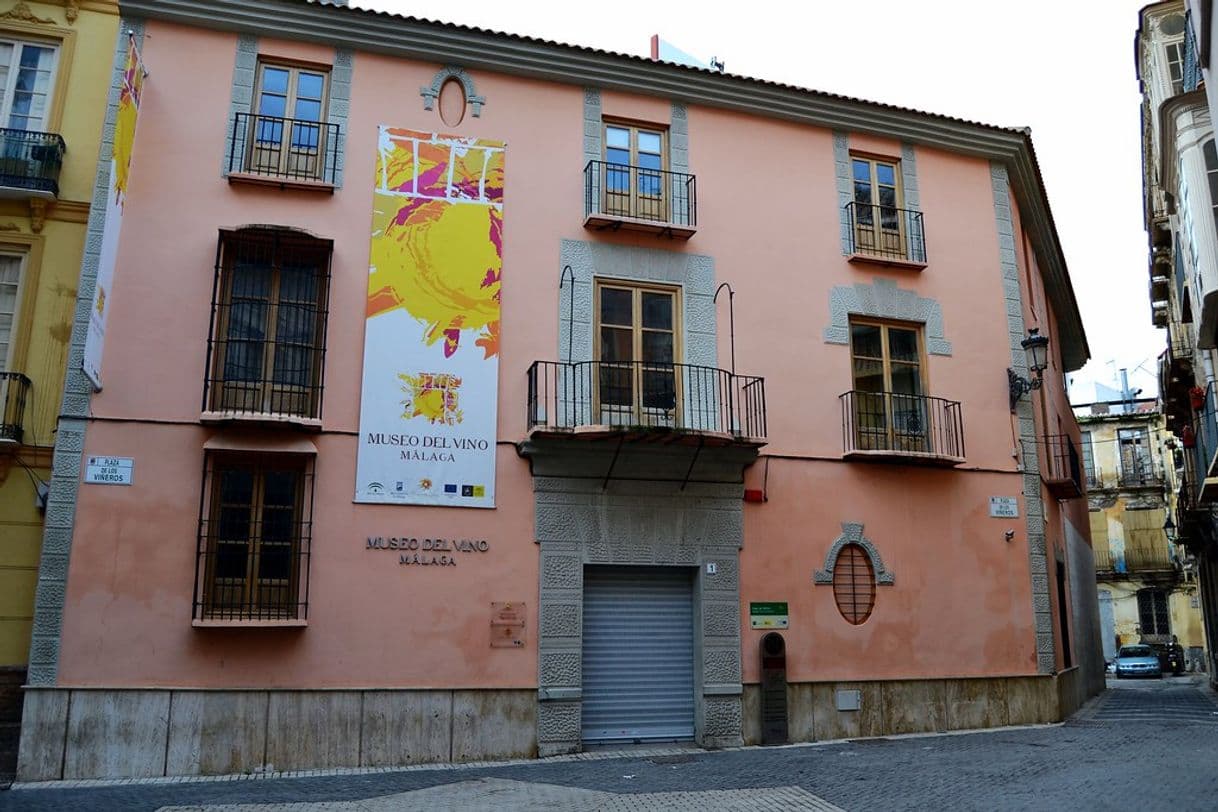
1153	616
268	331
854	584
255	528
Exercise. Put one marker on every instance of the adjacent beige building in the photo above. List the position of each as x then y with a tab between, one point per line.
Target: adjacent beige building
1147	587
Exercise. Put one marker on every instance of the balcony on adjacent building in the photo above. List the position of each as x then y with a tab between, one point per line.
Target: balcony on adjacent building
14	389
642	420
1200	444
1141	475
886	234
1180	342
1176	377
1133	560
894	427
30	164
635	198
283	152
1061	466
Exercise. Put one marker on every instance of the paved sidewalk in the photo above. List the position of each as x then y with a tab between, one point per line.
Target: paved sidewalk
497	794
1096	761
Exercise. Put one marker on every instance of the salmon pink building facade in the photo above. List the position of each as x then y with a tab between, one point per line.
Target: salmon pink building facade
465	395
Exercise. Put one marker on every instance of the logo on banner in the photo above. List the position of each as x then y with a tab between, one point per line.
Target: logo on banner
432	396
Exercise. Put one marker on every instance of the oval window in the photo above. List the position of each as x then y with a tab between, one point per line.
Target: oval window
452	102
854	584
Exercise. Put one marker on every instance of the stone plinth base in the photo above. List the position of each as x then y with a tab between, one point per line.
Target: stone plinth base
74	733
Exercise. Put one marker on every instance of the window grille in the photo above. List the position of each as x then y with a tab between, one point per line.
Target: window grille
268	332
1152	612
854	584
255	531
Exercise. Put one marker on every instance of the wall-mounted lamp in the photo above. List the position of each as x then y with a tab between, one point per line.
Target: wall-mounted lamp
1037	348
1169	529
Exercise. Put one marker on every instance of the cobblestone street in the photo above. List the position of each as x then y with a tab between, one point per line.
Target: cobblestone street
1145	745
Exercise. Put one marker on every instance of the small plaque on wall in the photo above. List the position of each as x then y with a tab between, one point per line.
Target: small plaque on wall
507	625
1004	507
769	616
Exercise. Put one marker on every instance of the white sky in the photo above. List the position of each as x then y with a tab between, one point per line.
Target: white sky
1065	68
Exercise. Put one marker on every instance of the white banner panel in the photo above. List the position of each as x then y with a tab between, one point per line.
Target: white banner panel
120	170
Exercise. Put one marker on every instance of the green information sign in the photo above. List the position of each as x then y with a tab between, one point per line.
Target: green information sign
768	616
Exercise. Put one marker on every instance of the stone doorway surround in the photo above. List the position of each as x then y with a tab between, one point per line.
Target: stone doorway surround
584	521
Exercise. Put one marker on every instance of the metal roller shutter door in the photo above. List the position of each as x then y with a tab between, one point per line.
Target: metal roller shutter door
638	660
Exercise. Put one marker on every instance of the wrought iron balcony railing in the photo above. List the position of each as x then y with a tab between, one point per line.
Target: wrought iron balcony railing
902	426
1062	466
283	148
886	232
627	395
14	387
30	161
1180	341
1134	559
620	196
1140	477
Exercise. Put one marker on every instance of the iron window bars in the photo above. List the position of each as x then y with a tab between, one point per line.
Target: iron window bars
255	533
266	348
285	148
643	394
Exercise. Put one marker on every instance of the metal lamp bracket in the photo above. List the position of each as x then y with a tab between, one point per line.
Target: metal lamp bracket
1020	386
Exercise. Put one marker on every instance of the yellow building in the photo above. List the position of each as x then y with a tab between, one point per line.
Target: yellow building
1147	587
56	62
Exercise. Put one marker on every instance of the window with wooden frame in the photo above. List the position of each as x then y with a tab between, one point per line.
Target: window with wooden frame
637	345
1088	459
267	344
14	385
890	410
27	81
854	584
1174	52
878	224
255	530
636	158
287	131
11	292
1134	447
1210	154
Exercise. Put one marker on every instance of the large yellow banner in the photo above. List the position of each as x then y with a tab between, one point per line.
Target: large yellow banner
429	405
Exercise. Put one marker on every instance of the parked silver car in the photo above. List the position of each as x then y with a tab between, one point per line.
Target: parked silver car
1137	661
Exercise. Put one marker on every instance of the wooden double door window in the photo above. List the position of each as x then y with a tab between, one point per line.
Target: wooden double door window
253	537
271	317
878	228
635	181
288	135
890	407
637	382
